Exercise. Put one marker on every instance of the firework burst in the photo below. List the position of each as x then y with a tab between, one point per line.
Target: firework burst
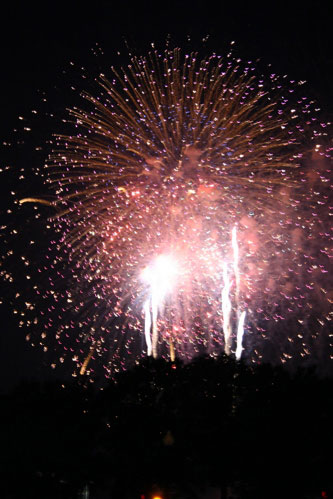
171	156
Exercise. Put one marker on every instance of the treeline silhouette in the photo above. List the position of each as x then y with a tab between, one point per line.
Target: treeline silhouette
212	428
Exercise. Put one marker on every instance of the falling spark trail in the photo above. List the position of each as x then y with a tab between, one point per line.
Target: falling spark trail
240	334
236	266
172	350
147	327
226	309
87	360
154	307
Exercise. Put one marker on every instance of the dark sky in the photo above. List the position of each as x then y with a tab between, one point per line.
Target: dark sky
37	44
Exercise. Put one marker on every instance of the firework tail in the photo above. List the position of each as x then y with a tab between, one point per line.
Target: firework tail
148	327
226	309
240	334
87	360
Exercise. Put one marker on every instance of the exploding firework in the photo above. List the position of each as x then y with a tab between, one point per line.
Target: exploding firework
172	155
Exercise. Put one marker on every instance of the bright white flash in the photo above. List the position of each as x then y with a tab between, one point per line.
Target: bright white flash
161	277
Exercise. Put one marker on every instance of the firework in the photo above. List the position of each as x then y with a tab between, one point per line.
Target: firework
169	158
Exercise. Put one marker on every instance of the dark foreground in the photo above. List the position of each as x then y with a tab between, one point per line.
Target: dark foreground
213	429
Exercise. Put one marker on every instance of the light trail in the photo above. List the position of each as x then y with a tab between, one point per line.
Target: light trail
226	309
240	334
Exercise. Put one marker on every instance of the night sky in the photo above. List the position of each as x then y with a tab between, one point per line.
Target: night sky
38	44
